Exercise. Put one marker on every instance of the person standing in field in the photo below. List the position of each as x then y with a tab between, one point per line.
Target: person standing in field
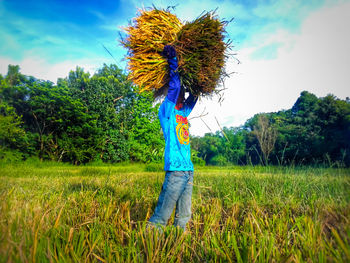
178	182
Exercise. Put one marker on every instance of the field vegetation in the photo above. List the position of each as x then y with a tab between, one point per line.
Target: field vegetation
54	212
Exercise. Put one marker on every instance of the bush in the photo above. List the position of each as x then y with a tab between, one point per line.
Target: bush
10	156
218	160
197	160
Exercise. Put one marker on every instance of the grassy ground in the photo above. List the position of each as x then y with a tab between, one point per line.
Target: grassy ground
62	213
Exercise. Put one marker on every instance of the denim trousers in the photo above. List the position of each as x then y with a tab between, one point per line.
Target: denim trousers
176	191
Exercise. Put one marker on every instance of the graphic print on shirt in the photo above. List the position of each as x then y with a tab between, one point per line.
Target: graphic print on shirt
182	130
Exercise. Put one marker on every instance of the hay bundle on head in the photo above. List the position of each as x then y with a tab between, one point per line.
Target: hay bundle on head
147	36
200	47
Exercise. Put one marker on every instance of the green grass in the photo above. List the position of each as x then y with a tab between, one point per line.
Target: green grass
53	212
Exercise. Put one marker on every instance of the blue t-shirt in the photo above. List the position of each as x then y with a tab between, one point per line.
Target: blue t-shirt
177	154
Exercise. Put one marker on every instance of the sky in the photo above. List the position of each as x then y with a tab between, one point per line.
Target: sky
280	47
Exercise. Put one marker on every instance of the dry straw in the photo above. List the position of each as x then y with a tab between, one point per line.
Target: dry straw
200	46
147	36
202	53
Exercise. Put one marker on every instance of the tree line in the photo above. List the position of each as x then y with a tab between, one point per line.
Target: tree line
102	117
315	131
80	119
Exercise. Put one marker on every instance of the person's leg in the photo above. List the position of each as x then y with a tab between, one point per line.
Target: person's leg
174	184
183	205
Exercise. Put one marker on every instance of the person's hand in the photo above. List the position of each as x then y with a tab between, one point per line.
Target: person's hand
169	52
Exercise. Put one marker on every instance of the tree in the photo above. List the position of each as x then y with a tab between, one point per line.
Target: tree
57	125
106	95
266	135
146	142
233	145
333	118
128	121
207	146
14	77
220	148
12	135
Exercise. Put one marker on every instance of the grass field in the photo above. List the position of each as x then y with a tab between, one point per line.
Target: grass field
52	212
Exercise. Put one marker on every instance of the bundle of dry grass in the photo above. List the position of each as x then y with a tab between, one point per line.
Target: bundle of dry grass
200	47
201	50
147	36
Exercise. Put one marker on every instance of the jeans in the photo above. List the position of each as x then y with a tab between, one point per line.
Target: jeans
176	190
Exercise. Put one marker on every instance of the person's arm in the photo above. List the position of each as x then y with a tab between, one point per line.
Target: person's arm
174	82
169	103
190	103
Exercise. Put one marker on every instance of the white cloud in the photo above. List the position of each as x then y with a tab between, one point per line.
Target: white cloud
42	69
317	60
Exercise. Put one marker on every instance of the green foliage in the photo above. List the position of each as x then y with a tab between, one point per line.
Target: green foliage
196	160
10	155
82	118
103	94
233	145
146	142
88	118
207	146
314	131
221	148
12	135
128	121
58	126
14	77
218	160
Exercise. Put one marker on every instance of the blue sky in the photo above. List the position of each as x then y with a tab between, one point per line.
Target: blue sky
74	30
284	46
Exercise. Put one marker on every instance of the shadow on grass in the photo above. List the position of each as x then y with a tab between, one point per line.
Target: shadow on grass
140	210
